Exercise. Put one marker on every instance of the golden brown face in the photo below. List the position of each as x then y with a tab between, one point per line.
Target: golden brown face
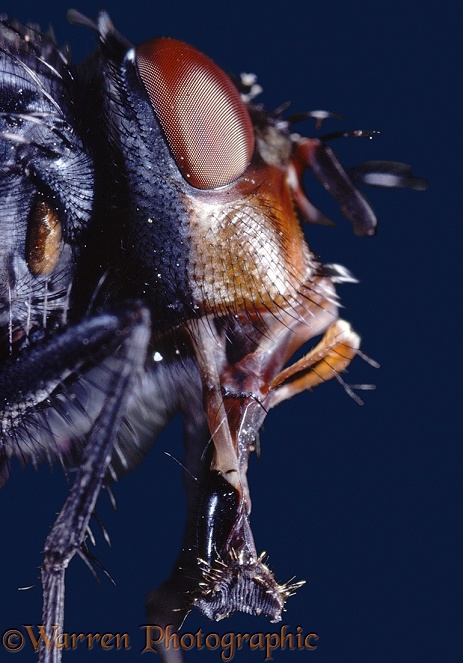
248	252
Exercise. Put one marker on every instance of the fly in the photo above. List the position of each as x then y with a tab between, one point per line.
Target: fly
153	262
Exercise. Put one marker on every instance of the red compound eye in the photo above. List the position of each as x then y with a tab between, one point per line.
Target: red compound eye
206	123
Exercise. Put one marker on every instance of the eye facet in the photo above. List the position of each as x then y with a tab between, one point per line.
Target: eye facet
206	123
43	245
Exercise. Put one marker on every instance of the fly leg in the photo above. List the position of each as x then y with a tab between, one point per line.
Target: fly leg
69	530
169	604
327	360
233	577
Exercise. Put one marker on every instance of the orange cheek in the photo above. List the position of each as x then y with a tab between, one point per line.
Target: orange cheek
248	251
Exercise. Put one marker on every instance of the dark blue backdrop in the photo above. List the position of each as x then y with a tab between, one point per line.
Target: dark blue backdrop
363	502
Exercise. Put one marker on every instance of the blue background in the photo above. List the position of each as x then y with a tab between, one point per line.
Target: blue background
362	502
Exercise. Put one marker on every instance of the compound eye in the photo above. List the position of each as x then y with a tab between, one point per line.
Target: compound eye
206	123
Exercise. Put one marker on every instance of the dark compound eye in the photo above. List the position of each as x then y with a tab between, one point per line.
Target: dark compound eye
206	123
